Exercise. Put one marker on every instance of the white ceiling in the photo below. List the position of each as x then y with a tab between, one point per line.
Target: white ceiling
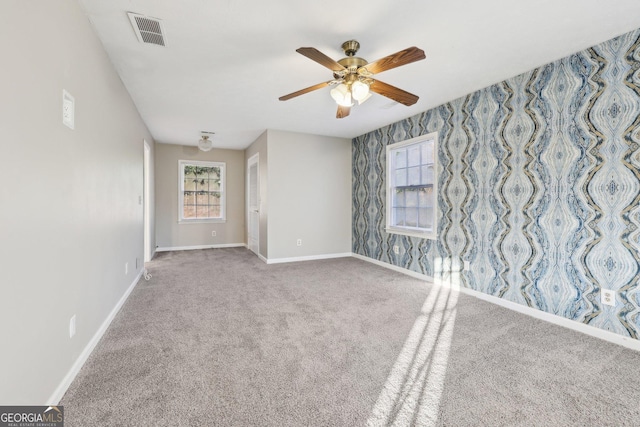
227	61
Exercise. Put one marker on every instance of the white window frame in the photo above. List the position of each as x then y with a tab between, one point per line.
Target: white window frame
223	191
391	227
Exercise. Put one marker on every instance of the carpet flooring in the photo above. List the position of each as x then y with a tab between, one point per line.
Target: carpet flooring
218	338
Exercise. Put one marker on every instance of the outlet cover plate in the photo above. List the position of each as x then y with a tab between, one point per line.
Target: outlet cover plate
608	297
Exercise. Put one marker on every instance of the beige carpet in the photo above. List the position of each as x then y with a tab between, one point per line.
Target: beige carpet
218	338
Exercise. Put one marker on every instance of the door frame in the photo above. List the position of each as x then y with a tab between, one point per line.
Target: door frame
147	201
253	160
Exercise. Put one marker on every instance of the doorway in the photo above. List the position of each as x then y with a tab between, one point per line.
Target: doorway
147	202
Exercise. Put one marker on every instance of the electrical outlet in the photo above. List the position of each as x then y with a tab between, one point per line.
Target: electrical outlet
72	326
396	249
466	266
608	297
213	234
299	242
126	268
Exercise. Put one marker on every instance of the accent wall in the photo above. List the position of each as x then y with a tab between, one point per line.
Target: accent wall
539	188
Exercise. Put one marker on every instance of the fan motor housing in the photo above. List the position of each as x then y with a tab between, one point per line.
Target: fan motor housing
351	63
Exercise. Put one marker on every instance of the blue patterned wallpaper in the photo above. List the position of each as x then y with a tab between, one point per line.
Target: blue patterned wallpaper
539	188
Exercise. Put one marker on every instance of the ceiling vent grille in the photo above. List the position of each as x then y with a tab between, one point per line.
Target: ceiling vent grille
148	30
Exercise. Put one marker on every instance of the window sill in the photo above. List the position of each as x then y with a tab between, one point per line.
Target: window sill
411	232
201	221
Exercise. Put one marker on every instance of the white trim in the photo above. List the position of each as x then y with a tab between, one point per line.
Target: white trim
191	248
255	159
422	233
146	203
409	231
306	258
59	392
394	268
201	220
611	337
263	259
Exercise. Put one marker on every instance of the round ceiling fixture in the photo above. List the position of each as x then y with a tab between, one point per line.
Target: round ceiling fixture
205	143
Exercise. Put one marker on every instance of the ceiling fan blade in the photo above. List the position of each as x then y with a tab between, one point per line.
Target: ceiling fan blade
403	57
398	95
322	59
342	112
305	90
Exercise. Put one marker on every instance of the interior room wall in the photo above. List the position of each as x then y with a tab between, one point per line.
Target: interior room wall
539	188
171	234
259	146
309	195
72	213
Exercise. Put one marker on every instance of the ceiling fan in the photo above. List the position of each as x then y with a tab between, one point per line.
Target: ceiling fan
353	76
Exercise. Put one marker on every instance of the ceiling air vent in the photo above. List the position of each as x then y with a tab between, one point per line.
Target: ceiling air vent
148	30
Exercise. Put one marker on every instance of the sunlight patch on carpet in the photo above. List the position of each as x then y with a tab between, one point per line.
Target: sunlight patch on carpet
412	392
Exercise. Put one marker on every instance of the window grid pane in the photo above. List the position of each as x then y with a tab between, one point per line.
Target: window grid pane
202	192
414	176
412	180
398	216
411	217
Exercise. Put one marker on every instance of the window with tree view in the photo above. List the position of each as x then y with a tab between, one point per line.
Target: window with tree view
202	194
412	187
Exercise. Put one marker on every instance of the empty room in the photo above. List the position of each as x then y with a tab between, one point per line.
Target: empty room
243	213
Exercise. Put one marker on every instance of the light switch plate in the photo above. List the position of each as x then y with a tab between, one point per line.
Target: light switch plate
72	326
68	109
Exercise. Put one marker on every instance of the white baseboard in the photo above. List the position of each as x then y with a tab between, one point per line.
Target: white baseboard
557	320
266	261
305	258
394	268
191	248
54	399
611	337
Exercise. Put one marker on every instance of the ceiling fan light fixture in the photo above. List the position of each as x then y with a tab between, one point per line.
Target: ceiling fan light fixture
361	101
205	144
360	91
353	76
342	95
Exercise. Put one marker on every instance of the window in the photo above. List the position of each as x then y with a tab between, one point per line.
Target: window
412	187
201	191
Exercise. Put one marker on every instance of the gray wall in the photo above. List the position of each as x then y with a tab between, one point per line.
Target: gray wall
70	216
309	194
170	234
259	147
